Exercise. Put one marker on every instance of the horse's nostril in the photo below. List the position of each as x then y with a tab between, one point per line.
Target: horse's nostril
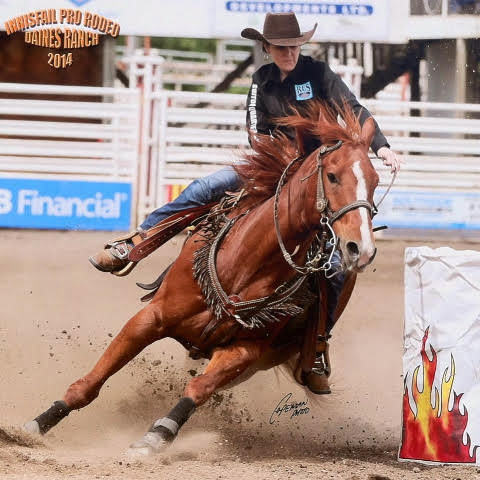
352	248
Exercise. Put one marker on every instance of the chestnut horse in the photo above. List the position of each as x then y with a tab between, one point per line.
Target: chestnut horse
334	184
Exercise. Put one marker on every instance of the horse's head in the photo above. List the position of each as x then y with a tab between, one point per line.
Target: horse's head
349	180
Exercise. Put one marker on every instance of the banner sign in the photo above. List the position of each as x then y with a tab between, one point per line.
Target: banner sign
435	210
182	18
441	361
64	204
339	20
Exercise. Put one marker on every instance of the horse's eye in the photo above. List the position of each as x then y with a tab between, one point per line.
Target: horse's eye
332	178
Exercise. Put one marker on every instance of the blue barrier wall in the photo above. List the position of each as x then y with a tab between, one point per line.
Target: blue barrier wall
65	205
441	210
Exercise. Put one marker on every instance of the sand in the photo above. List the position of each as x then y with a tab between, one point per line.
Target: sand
57	314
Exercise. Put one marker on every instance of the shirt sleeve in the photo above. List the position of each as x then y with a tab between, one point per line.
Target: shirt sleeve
256	112
338	92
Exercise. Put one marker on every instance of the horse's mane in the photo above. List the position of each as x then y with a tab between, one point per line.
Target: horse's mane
261	170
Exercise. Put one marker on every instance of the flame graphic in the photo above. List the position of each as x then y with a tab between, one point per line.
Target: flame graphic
434	433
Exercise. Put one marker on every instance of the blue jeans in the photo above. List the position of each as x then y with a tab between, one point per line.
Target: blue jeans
212	188
334	288
200	192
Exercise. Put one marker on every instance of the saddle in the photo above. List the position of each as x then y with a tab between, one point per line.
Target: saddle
147	241
221	330
162	232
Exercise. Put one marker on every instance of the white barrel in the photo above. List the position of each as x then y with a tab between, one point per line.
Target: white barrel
441	361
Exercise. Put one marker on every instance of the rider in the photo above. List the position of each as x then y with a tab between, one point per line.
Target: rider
291	79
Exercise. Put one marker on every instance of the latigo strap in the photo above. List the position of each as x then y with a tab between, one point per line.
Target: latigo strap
147	242
315	335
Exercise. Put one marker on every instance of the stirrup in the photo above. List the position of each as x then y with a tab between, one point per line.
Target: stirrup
125	270
317	379
119	248
322	358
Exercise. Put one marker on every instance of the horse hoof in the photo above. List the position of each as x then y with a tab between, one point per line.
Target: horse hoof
139	451
32	427
150	444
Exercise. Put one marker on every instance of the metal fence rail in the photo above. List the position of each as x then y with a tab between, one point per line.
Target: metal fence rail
186	135
88	137
198	133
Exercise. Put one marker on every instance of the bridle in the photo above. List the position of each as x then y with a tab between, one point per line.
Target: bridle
327	219
322	201
251	313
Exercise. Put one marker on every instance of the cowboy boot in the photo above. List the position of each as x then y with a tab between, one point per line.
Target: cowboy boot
121	255
317	378
114	257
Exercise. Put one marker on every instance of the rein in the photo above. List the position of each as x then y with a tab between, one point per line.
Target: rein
328	217
290	298
394	176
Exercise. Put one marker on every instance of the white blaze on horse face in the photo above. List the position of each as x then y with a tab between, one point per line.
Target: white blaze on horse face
367	246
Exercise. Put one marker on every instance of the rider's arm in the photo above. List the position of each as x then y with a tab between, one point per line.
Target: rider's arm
337	92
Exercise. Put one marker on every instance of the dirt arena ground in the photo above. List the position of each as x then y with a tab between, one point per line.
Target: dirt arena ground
57	314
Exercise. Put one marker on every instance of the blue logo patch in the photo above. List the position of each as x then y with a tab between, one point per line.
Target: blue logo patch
304	91
79	3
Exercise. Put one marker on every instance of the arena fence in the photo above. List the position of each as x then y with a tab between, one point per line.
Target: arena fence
68	156
196	70
172	125
437	187
109	157
185	74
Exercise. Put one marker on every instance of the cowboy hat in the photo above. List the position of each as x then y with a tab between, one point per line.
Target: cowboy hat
280	29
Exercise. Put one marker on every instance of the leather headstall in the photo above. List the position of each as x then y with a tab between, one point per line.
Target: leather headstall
322	201
328	217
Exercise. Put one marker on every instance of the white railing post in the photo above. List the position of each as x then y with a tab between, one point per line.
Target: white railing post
151	77
162	145
368	59
444	8
144	173
154	135
355	75
116	147
136	172
220	52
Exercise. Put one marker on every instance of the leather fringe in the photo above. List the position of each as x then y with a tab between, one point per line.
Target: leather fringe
270	312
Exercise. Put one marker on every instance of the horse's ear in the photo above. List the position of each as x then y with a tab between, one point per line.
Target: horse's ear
368	131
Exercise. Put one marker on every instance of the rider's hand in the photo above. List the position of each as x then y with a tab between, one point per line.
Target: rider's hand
390	159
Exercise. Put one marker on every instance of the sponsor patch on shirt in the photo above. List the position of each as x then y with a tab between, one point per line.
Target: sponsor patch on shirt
252	108
304	91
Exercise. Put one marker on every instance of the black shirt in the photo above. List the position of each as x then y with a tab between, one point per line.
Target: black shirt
269	97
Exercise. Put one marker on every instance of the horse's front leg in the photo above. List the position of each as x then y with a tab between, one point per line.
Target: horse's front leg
226	364
140	331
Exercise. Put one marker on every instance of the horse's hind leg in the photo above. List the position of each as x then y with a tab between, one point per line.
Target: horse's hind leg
140	331
225	365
